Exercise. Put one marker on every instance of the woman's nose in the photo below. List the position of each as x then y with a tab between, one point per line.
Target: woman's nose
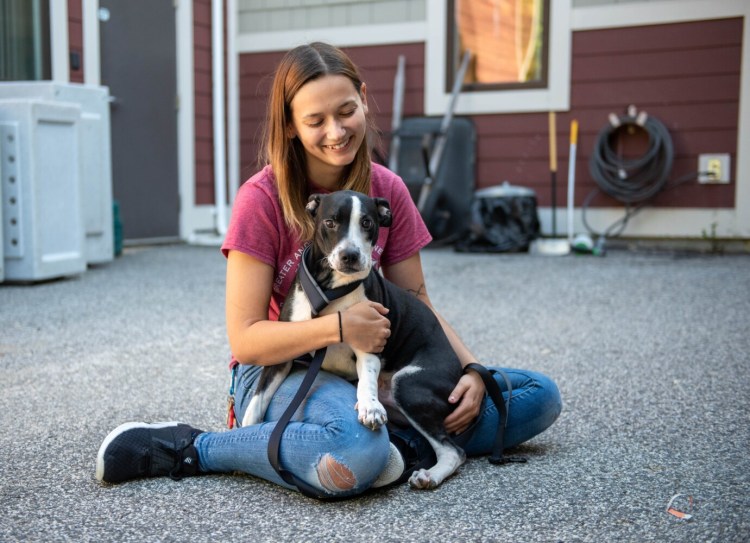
335	130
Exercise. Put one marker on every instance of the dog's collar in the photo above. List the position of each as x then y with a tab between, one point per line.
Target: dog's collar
318	297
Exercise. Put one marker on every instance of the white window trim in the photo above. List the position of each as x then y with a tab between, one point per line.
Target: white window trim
554	98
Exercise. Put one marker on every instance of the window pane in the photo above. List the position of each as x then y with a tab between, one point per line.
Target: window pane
507	38
24	40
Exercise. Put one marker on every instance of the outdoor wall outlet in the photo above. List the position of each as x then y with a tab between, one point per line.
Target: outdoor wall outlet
713	168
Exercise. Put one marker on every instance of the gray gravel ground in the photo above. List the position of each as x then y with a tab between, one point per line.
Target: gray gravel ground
650	352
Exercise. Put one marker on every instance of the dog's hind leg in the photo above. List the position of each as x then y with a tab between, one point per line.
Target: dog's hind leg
426	408
269	382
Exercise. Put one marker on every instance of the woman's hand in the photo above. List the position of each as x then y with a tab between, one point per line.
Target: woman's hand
365	326
469	395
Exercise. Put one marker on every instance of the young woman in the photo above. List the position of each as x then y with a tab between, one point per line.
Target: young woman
317	140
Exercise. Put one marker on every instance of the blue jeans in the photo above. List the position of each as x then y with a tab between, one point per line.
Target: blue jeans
327	447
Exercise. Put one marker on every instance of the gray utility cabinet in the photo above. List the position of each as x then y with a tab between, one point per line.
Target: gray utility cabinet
43	234
95	161
57	148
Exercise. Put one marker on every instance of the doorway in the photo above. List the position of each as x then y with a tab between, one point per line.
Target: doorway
139	65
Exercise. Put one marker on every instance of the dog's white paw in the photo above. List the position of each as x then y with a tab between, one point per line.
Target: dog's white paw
371	414
422	480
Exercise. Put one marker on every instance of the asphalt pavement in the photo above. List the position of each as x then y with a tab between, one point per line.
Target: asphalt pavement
649	349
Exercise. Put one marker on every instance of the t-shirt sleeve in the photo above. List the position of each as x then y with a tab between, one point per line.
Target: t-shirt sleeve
408	233
254	228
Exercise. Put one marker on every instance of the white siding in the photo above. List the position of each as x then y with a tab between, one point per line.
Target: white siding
280	15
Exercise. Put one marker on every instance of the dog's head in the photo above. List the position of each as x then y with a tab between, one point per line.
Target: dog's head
346	229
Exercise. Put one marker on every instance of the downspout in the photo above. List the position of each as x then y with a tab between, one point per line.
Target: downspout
233	102
220	154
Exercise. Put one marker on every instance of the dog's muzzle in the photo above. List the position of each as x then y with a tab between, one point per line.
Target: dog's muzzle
348	260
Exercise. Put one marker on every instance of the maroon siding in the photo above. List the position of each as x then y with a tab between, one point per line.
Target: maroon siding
687	75
75	38
203	92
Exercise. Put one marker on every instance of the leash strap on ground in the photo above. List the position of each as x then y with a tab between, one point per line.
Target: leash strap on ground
274	444
503	409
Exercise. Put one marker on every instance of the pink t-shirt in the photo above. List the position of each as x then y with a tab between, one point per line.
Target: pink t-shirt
257	228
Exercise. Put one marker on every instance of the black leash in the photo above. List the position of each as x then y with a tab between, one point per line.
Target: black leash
274	444
503	409
319	299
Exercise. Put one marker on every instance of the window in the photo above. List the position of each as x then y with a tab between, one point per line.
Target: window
508	40
520	55
24	40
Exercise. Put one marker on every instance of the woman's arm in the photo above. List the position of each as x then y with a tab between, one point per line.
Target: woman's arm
254	339
469	393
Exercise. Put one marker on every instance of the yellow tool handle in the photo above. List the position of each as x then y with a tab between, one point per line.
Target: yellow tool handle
552	142
574	132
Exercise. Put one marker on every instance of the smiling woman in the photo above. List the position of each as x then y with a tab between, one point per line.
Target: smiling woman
328	117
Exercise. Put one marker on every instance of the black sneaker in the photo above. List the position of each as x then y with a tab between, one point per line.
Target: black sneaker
140	449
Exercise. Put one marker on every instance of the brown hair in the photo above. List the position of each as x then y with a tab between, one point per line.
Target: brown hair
286	155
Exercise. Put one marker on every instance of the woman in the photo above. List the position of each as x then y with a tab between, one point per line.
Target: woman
317	140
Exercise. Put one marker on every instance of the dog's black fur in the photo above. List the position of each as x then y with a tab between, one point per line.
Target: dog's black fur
418	358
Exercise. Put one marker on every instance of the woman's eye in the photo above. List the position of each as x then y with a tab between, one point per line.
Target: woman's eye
348	113
329	223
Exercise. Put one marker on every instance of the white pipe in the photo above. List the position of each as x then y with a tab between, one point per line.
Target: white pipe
58	22
233	101
220	153
572	176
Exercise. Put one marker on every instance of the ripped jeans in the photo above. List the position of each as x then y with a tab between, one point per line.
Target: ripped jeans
327	447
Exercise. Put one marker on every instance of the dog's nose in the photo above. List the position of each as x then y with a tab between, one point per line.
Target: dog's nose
349	256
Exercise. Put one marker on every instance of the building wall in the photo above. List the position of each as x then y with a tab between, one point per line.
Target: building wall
687	75
276	15
202	79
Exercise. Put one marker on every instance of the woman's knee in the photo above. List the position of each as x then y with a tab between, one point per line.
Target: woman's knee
355	458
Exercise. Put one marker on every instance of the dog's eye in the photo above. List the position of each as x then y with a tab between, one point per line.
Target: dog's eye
366	223
330	223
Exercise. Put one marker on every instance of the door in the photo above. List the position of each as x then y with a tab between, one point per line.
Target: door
139	65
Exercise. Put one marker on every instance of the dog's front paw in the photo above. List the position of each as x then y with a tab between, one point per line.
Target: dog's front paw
371	414
422	480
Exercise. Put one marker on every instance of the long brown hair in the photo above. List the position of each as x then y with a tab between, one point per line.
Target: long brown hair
286	155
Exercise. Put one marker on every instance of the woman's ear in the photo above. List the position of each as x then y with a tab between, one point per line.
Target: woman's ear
363	95
291	133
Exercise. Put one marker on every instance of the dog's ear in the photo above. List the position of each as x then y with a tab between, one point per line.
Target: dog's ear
384	212
312	204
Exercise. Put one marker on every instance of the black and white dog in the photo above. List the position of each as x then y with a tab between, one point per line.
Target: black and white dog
418	359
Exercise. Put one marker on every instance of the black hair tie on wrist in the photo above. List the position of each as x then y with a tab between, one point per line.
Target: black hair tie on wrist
341	329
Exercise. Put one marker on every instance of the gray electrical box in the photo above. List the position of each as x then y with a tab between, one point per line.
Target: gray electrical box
96	161
40	151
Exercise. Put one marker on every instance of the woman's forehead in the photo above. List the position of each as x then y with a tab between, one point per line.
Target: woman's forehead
329	92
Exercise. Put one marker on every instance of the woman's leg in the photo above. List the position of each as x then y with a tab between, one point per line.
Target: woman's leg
324	444
534	406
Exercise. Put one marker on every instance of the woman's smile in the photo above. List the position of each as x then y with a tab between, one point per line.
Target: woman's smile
328	118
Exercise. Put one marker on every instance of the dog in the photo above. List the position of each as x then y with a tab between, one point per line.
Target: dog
418	366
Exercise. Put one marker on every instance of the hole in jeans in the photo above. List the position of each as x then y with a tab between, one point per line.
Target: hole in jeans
335	476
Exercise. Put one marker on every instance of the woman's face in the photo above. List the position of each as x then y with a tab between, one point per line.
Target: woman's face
328	117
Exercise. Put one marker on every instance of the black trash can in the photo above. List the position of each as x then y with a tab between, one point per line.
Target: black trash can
504	219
